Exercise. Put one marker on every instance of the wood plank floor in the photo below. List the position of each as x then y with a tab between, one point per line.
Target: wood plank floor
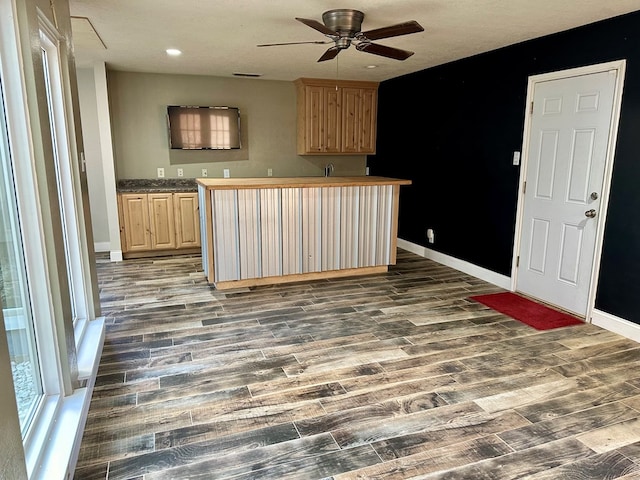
390	376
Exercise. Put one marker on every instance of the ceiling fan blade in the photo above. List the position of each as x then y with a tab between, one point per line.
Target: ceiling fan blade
384	51
317	42
329	54
317	25
394	30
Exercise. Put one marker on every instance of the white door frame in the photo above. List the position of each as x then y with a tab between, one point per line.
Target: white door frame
619	66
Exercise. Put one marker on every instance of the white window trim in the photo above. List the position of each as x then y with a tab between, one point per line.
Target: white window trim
69	175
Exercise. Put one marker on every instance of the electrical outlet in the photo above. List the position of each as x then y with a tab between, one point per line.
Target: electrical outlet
431	235
160	172
225	173
269	172
204	172
180	172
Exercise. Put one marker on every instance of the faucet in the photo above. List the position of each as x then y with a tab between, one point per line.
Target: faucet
328	169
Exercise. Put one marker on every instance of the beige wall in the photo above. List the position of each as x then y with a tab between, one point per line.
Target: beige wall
93	156
138	104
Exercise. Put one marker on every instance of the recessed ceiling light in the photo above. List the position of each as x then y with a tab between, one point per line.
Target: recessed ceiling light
371	66
174	52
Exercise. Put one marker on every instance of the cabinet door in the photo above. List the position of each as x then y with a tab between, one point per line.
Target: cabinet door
162	221
314	118
367	120
135	220
332	120
350	120
359	120
187	220
123	242
322	119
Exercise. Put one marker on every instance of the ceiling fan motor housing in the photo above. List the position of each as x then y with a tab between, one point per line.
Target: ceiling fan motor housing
345	21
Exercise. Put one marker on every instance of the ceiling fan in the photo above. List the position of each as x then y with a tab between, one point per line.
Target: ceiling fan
343	27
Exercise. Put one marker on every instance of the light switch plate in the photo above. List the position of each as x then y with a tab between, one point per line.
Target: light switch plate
204	172
516	158
225	173
269	172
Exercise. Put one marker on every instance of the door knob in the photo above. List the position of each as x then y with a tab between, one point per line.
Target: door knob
590	213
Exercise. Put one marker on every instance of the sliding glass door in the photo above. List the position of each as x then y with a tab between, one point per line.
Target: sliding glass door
14	290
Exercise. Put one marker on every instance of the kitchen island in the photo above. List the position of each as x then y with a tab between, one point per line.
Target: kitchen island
261	231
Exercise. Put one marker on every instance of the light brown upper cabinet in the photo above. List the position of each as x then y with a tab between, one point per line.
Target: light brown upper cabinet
336	117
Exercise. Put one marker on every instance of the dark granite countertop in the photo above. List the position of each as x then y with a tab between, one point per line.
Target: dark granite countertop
145	185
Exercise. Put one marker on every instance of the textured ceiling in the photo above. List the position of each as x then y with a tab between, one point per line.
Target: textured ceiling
219	37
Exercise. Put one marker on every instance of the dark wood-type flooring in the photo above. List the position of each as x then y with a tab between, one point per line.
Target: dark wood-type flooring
390	376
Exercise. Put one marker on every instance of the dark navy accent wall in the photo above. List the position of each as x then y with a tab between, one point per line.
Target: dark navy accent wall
452	130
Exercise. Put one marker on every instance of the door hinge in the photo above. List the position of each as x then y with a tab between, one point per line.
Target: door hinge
531	109
524	187
517	261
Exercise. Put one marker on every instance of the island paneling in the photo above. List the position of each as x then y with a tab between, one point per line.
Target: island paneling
258	231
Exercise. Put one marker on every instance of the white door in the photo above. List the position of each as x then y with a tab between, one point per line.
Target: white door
569	135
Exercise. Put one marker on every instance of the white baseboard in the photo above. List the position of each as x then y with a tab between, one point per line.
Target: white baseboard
602	319
101	246
466	267
616	324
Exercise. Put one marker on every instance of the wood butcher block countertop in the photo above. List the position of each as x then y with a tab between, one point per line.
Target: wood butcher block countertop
291	182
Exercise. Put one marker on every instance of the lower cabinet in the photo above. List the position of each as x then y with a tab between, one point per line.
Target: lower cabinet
187	219
159	223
